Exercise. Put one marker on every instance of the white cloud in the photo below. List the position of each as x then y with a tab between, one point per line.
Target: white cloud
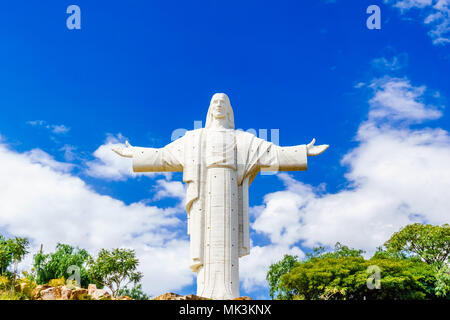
253	268
41	200
397	99
393	63
55	128
436	13
60	128
46	160
69	154
170	189
408	4
397	176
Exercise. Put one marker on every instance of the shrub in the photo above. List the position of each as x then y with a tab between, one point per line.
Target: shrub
57	282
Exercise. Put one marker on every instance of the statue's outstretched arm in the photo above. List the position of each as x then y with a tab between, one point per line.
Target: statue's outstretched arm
292	158
168	158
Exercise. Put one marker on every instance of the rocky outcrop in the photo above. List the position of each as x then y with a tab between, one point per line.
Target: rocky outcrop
174	296
52	293
73	293
98	294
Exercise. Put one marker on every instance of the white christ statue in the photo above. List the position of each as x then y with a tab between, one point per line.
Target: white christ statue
219	163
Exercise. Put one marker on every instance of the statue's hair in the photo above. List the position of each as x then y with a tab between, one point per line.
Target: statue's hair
230	115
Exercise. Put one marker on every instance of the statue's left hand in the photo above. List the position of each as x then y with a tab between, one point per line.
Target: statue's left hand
124	152
313	150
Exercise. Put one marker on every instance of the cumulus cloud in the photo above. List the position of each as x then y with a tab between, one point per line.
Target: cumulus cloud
40	199
253	268
46	160
170	189
397	176
397	99
436	15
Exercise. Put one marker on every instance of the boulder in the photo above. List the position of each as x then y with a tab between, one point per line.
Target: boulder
66	293
52	293
91	288
174	296
36	291
100	294
192	297
167	296
79	293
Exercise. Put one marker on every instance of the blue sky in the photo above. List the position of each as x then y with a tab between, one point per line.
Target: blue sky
139	70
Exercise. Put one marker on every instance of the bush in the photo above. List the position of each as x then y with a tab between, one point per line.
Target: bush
57	282
4	283
10	296
25	286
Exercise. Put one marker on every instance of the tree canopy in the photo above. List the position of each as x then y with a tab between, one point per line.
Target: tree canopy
115	269
12	251
430	243
346	278
60	264
414	266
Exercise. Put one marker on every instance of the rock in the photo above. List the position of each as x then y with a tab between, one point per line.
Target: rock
100	294
193	297
91	288
174	296
36	291
167	296
77	293
52	293
66	293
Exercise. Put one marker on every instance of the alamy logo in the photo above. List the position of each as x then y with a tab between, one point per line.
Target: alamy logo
74	20
374	280
374	20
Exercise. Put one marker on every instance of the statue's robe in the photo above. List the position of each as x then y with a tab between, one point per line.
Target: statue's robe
234	166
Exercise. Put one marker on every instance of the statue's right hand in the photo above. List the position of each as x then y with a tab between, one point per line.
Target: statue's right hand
124	152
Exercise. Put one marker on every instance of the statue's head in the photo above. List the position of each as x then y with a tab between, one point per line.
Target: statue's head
220	109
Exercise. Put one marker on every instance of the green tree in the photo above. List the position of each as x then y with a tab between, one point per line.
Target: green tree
339	251
430	243
115	269
12	251
136	292
284	266
5	255
277	270
443	282
56	265
336	278
18	248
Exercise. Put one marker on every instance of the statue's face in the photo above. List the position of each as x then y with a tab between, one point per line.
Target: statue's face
219	108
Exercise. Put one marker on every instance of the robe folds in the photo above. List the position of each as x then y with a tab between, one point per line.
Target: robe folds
187	155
